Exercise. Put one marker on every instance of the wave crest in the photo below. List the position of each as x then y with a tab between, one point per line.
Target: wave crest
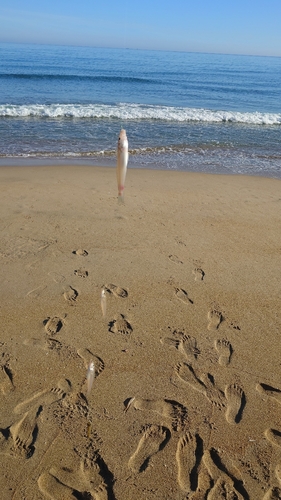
127	112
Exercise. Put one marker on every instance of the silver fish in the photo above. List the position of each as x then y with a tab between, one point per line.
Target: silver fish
122	162
90	377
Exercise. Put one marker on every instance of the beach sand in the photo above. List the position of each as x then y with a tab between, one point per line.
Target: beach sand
186	400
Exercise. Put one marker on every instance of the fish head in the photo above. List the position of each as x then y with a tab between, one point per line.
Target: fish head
122	140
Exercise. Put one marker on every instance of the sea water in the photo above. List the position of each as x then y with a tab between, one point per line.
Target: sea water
182	111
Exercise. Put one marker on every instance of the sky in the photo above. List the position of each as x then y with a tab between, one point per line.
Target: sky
221	26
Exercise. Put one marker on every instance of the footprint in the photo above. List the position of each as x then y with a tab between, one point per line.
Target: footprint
271	392
120	325
186	373
70	295
19	438
171	410
226	485
235	403
225	350
82	273
80	252
153	439
186	345
215	318
272	494
100	493
53	489
186	460
85	479
47	396
202	383
53	325
117	291
204	484
175	259
87	357
183	296
6	375
213	393
58	278
274	437
198	273
224	490
24	433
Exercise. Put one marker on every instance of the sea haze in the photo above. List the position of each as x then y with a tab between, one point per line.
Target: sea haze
182	111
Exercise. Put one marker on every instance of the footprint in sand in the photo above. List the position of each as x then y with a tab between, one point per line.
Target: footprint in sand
275	492
82	273
120	325
6	375
53	489
225	351
215	318
272	494
203	484
70	295
87	357
116	290
203	383
274	437
182	295
85	481
53	325
226	485
171	410
47	396
271	392
186	460
20	436
185	344
81	252
153	439
58	278
175	259
235	403
198	273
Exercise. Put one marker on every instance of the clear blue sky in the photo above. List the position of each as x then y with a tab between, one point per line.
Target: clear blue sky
225	26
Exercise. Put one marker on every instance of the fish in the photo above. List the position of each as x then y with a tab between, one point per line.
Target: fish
122	162
90	377
103	302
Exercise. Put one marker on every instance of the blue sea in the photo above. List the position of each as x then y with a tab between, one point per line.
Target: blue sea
182	111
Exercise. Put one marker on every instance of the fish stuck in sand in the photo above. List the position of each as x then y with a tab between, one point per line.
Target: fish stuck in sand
103	302
90	377
122	162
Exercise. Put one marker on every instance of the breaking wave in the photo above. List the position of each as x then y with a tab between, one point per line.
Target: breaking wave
127	112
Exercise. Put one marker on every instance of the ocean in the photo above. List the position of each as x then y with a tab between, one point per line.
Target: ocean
182	111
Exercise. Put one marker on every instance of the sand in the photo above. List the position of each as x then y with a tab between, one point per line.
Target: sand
186	399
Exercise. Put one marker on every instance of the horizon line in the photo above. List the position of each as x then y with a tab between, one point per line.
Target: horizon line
139	49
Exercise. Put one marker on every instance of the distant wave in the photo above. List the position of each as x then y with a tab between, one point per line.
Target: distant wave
128	112
67	77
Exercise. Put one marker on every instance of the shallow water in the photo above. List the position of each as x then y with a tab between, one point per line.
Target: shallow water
182	111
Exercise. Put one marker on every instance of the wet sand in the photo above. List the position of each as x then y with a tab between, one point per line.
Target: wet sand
186	400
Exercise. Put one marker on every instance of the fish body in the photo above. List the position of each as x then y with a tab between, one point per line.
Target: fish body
90	377
103	302
122	162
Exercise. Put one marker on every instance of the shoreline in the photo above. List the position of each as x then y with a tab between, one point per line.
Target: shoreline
29	162
191	269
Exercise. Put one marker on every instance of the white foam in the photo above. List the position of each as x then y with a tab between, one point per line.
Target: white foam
125	112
